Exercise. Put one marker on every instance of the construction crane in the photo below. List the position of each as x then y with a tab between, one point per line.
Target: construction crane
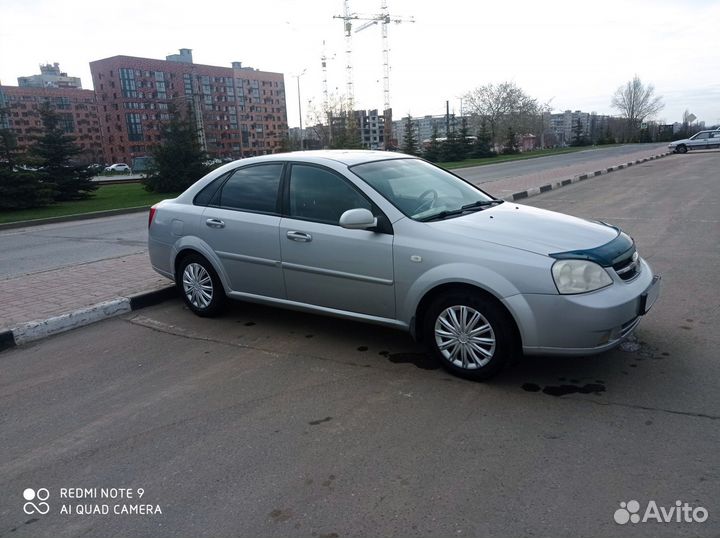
347	18
384	19
324	59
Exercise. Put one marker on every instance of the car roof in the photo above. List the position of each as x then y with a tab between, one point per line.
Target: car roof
348	157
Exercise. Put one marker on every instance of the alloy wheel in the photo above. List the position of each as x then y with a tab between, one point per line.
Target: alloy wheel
464	337
197	285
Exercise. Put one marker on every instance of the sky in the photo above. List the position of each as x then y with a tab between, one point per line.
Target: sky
570	54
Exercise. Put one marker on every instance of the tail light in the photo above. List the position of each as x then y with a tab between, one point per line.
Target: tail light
151	215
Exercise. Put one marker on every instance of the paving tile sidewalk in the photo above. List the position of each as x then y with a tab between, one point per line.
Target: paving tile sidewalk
57	292
46	294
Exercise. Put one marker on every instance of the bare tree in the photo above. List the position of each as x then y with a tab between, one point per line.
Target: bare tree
503	106
636	102
332	122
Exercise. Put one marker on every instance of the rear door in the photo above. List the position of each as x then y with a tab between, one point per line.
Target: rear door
325	264
714	140
241	225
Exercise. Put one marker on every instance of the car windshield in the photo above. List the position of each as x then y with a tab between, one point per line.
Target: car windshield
420	190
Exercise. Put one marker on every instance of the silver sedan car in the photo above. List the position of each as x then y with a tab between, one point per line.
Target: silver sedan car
701	140
391	239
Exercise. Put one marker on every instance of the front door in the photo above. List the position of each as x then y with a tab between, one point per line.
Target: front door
325	264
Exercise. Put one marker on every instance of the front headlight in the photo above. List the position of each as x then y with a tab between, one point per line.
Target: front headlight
579	276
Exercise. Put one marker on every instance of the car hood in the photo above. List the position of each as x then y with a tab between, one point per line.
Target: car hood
676	142
528	228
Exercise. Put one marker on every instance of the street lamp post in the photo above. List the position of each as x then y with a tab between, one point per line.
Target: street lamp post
300	107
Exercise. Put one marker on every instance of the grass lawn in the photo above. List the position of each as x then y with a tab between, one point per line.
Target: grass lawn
519	156
106	197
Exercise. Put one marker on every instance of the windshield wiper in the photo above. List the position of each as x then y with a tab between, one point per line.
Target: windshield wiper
480	204
475	206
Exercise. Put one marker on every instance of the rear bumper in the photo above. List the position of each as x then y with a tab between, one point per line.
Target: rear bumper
160	256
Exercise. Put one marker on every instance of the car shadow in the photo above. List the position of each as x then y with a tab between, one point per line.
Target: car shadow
372	345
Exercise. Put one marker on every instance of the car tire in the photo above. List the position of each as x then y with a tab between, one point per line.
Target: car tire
200	286
471	336
682	148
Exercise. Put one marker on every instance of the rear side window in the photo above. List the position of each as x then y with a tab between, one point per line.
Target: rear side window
254	188
322	196
208	191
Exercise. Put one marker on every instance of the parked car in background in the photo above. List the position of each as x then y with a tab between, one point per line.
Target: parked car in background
391	239
119	168
701	140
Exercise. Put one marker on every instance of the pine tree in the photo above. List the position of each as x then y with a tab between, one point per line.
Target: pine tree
432	151
410	141
178	161
511	145
482	147
451	150
54	152
463	146
19	188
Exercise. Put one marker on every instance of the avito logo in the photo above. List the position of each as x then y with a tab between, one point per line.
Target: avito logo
40	495
629	512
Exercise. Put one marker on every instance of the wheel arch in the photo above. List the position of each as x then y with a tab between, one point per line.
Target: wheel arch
452	287
188	249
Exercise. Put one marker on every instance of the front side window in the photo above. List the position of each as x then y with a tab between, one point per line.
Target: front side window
701	136
254	188
322	196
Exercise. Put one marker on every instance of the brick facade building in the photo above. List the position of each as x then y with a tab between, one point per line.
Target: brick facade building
240	111
77	109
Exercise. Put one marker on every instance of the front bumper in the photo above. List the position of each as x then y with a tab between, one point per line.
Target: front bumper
587	323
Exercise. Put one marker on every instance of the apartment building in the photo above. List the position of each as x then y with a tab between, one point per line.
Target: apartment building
562	126
50	77
423	126
77	110
239	111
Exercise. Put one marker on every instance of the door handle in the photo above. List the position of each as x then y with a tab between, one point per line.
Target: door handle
215	223
300	237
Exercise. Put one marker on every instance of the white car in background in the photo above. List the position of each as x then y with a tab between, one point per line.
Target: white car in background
119	168
701	140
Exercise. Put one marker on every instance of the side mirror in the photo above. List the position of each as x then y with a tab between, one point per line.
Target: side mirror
357	219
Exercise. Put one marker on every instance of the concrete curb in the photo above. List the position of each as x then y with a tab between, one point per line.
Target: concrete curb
38	329
68	218
534	191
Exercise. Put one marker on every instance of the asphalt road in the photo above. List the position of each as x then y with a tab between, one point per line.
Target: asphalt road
493	172
50	246
274	423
